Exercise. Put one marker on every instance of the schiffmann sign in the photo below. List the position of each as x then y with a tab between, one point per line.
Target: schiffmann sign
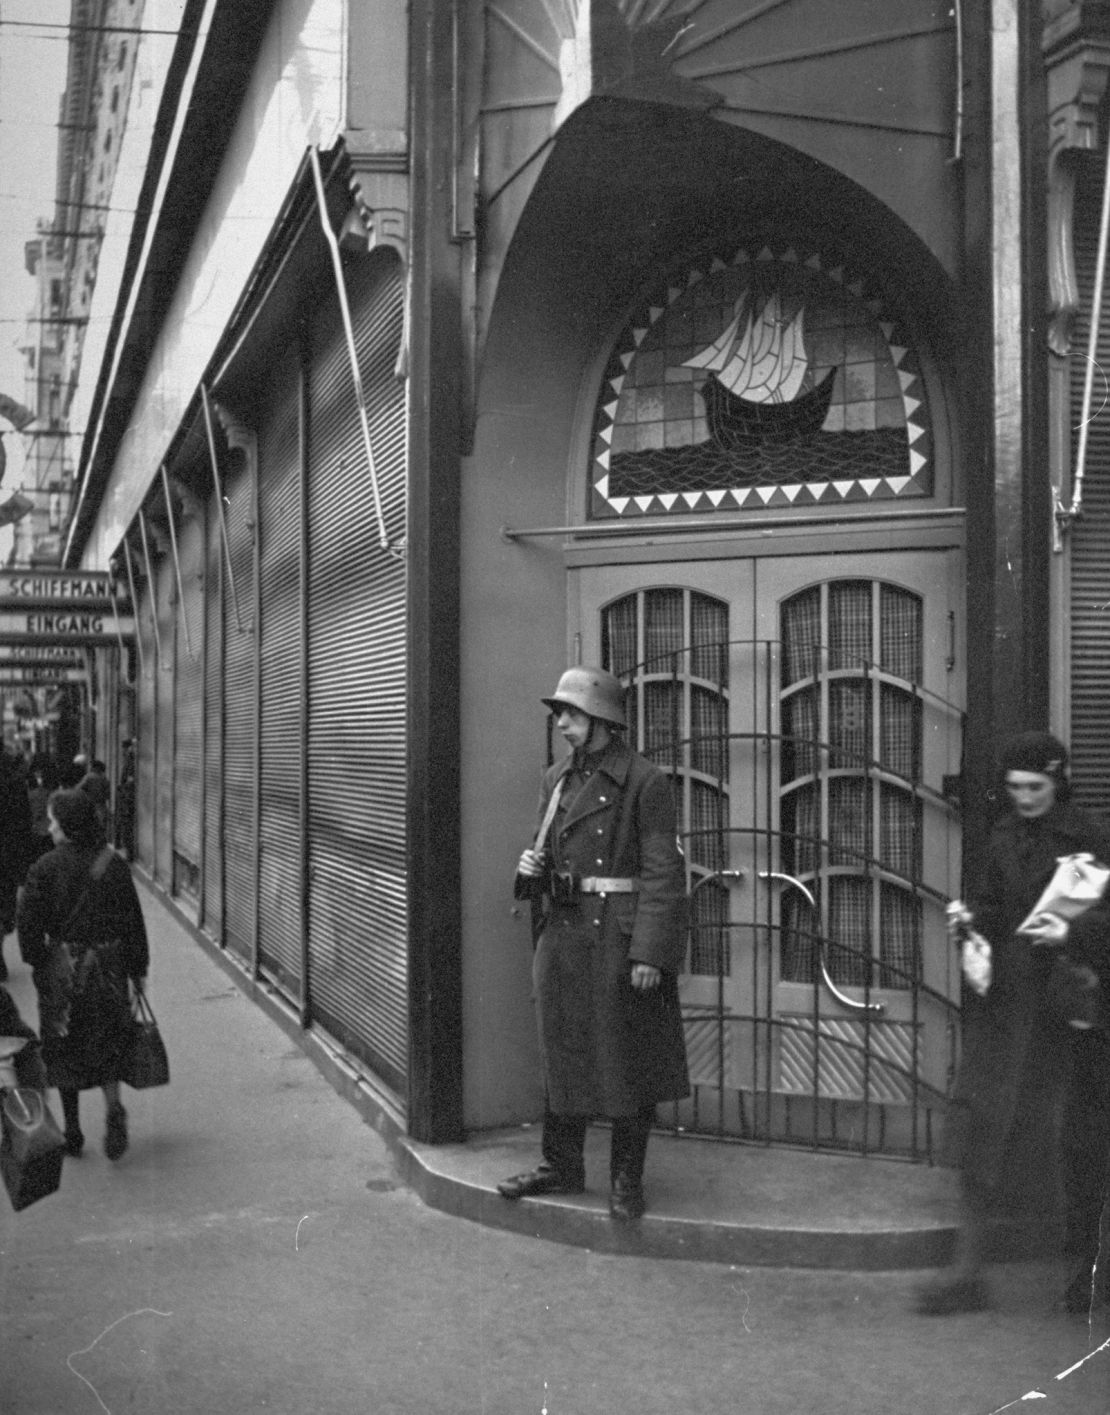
61	607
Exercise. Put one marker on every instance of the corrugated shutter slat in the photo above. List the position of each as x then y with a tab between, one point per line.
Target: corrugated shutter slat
357	676
1090	533
280	901
240	719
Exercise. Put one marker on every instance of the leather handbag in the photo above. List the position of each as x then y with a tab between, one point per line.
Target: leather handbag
144	1062
31	1146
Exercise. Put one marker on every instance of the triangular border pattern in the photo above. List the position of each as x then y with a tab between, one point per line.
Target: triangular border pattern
802	494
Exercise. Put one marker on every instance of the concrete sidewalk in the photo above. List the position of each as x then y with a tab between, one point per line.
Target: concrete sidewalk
257	1250
729	1203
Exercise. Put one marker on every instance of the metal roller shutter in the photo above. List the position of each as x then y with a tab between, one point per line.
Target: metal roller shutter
1090	533
213	883
281	705
240	720
356	695
164	679
189	711
145	776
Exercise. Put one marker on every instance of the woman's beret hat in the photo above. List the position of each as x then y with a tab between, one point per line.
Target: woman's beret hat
1035	751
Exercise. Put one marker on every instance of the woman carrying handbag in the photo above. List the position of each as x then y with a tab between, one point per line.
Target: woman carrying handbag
81	931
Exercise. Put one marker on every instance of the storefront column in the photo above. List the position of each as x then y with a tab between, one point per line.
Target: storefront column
434	344
1009	506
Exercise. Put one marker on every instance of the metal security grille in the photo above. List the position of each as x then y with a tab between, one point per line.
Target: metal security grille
213	878
357	891
166	601
189	710
240	735
798	769
146	780
281	704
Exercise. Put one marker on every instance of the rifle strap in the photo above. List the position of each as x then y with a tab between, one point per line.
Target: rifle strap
548	815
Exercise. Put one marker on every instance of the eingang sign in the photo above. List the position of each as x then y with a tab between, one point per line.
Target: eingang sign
42	608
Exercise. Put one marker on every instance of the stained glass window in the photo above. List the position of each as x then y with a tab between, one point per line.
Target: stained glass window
769	379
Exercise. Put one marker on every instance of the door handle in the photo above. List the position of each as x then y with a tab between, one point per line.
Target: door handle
826	976
717	874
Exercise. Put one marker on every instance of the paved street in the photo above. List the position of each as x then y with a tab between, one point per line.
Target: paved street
254	1251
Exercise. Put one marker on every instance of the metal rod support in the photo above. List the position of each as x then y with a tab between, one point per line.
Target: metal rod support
134	604
352	350
214	460
176	561
153	592
1071	512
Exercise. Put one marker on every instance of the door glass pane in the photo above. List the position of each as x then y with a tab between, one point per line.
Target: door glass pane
846	827
670	646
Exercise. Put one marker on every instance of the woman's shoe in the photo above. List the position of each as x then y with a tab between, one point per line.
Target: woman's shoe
950	1295
115	1135
75	1142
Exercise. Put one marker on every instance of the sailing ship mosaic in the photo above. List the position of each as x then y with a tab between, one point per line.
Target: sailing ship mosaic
767	380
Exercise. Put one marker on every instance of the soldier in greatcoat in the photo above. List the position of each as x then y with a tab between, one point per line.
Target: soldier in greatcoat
607	874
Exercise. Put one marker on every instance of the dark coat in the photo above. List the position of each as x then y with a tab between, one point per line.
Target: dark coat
606	1048
82	960
15	836
1016	1044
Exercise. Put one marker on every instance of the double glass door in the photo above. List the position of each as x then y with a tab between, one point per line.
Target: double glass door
809	713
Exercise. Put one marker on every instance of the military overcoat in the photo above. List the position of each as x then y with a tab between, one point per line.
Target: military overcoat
606	1048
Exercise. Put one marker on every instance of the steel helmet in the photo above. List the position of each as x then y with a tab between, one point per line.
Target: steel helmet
592	691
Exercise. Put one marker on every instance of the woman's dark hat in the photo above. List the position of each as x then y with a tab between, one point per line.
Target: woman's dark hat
1035	751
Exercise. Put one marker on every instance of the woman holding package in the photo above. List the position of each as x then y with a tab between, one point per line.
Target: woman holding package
1033	1022
81	930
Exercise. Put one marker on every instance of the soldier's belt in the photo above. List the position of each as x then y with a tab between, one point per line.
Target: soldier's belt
598	884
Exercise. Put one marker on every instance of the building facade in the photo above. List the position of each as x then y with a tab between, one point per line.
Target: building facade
710	342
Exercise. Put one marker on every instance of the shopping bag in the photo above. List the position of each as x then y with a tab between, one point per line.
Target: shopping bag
144	1062
1078	882
31	1147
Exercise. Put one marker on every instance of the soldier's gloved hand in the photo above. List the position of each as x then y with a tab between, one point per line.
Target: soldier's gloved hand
645	977
531	864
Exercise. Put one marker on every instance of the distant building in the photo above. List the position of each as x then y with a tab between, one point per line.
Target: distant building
63	257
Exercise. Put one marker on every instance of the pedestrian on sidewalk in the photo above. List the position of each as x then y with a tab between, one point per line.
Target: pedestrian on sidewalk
98	788
15	842
607	877
1027	1046
81	930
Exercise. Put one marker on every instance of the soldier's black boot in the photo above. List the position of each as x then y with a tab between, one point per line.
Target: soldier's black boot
626	1165
562	1169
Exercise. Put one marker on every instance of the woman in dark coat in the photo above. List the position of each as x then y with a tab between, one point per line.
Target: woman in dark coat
613	885
81	930
1027	1040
